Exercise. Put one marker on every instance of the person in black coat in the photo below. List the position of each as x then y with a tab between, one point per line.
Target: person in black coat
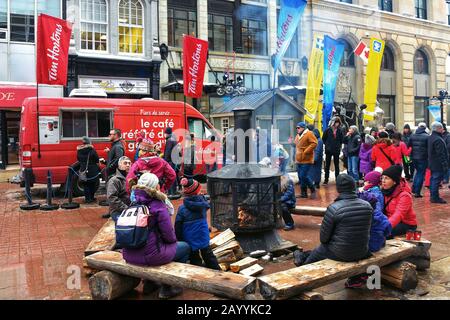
418	142
353	141
171	143
115	153
437	161
446	137
88	161
332	139
345	230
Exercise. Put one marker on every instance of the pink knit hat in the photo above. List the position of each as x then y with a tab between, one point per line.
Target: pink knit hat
191	187
373	177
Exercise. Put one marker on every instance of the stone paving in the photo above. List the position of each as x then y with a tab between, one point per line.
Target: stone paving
41	252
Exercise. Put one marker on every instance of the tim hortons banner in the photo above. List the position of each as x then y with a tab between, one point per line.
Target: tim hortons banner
291	12
373	77
315	77
195	52
333	52
52	50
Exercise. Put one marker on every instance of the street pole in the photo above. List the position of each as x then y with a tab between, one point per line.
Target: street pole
442	110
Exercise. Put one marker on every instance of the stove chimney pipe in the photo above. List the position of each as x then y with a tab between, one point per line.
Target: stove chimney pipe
243	120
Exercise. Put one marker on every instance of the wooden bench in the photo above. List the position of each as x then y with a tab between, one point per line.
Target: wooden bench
230	285
308	211
105	239
293	282
421	257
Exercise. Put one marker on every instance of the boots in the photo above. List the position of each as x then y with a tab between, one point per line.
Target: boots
313	193
304	192
167	292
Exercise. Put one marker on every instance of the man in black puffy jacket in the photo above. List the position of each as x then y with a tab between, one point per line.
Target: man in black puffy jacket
438	161
332	139
344	234
419	155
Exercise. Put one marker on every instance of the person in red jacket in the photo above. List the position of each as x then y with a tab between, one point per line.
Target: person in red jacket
398	201
402	151
150	162
384	153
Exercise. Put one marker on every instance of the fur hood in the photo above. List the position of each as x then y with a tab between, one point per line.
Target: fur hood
84	146
153	193
385	141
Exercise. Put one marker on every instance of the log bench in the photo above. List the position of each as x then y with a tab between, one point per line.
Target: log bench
295	281
105	239
226	284
308	211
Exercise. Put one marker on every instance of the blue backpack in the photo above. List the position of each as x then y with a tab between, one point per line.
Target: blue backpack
132	227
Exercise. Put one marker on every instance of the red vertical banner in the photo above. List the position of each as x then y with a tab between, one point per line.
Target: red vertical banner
52	54
195	52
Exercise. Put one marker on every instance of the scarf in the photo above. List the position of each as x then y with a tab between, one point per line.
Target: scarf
388	192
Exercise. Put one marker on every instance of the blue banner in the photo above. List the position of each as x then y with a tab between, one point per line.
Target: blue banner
435	112
333	52
290	14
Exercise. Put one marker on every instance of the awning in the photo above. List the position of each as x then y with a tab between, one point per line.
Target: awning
177	86
13	96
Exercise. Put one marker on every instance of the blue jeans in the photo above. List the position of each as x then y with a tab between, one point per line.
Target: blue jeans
183	252
353	167
303	176
435	182
419	177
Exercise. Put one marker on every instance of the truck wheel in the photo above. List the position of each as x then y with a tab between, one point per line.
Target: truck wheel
78	187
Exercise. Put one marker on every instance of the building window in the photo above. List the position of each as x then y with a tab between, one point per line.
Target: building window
387	103
254	36
225	124
180	22
131	26
385	5
421	114
22	21
76	124
346	1
3	19
388	60
448	11
421	9
94	25
348	59
220	32
421	63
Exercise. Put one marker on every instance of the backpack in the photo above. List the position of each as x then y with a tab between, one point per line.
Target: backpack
132	227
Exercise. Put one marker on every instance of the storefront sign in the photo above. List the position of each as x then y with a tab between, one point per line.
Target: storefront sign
12	97
49	130
116	85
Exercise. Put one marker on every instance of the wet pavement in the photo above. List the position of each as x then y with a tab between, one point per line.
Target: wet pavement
41	252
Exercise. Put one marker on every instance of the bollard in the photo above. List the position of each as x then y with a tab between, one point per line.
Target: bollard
30	205
49	206
70	205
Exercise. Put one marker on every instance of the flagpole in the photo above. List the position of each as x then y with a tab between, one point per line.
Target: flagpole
37	95
273	105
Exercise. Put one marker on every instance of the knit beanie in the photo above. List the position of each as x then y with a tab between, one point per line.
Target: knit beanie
148	180
345	183
301	124
369	139
86	140
383	134
390	126
394	172
406	126
168	130
373	178
191	187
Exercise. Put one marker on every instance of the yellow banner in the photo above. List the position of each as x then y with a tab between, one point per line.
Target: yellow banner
319	119
315	76
373	77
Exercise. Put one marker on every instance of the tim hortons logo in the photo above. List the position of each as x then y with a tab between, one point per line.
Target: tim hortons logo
54	52
193	71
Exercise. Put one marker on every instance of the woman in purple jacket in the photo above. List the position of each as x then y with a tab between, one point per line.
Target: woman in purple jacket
365	155
162	246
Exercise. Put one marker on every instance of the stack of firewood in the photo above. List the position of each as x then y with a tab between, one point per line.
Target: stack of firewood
230	255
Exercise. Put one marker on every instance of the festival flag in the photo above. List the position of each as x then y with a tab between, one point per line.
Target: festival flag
52	52
333	53
315	77
195	52
373	77
290	14
362	51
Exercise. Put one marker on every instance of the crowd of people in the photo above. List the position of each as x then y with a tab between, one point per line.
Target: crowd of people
375	199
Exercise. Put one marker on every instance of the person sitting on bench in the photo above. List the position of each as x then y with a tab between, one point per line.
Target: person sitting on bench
116	194
344	234
162	246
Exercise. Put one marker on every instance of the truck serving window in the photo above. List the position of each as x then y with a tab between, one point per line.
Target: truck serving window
200	129
94	124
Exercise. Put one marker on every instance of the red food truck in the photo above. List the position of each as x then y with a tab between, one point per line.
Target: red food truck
63	121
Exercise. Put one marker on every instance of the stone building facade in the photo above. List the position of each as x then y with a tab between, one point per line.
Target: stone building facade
417	34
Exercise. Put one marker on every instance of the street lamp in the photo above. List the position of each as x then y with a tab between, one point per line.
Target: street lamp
443	94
